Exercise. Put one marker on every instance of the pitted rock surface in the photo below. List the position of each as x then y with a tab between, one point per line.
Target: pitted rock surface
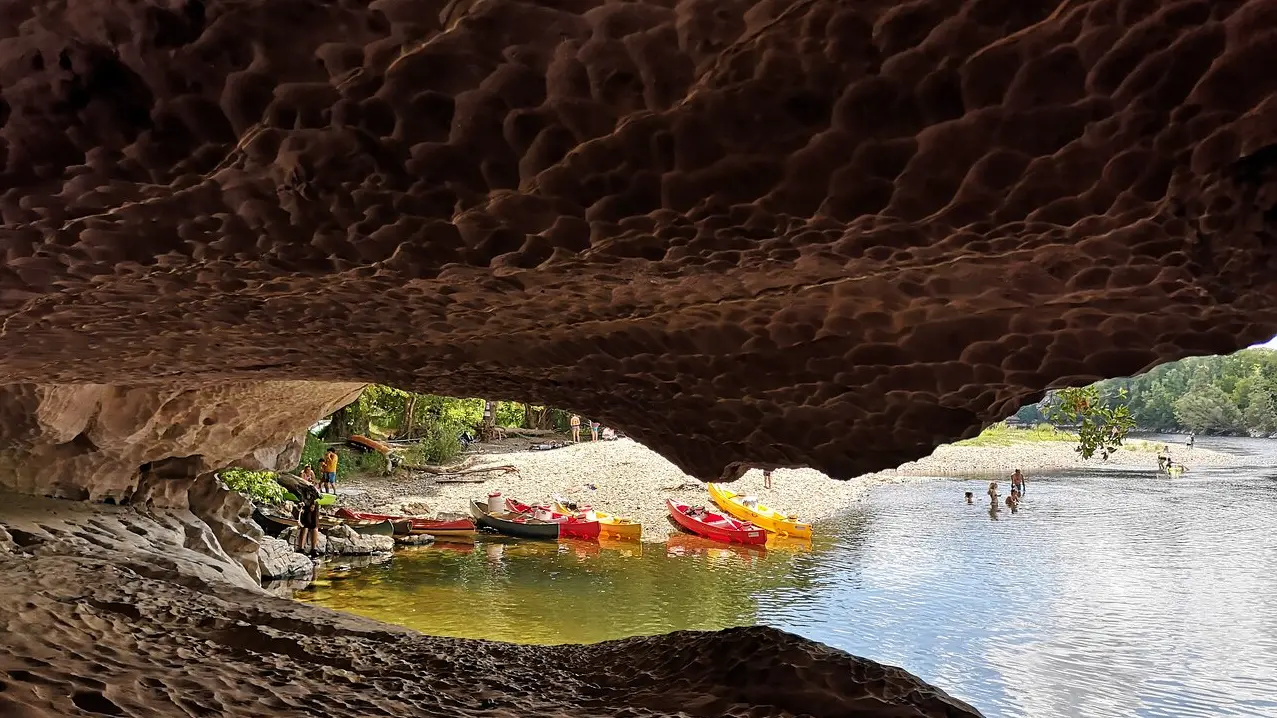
278	560
788	232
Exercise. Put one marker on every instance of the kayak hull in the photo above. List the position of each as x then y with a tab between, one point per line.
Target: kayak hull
570	526
324	499
612	527
769	519
715	527
513	524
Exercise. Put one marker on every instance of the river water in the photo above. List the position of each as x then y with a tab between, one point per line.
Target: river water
1108	593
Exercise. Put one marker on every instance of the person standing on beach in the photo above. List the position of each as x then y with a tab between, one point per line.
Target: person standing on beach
767	478
1017	482
594	430
329	465
575	423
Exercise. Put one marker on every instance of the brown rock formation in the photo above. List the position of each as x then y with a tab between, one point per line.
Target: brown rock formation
169	636
148	443
790	232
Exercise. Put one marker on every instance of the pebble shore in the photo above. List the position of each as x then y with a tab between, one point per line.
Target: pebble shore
634	481
957	460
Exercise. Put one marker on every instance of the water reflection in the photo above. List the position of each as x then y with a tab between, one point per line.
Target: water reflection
569	591
1106	594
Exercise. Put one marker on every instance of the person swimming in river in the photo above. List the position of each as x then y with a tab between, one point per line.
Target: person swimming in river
1017	482
993	493
1013	500
970	497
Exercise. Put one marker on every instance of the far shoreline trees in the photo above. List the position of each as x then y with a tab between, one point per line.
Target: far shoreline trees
1224	395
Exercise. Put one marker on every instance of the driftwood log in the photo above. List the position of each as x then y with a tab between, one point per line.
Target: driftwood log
459	470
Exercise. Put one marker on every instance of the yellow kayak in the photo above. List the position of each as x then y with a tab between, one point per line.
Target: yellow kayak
610	527
757	514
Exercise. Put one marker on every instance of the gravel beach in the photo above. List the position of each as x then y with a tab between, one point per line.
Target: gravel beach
956	460
634	481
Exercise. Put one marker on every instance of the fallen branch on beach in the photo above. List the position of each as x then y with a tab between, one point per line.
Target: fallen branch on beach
460	470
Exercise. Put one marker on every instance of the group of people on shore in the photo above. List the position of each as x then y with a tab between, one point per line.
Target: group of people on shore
326	482
1018	485
597	431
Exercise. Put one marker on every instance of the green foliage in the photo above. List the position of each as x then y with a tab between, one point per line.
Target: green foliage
1221	395
1101	425
437	421
438	446
259	486
1208	408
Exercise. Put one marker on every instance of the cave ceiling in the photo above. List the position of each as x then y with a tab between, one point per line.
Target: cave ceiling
795	232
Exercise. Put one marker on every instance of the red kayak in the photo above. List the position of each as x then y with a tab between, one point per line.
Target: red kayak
574	527
717	527
455	528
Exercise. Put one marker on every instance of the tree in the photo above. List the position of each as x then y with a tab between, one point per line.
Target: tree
1101	427
347	421
1208	409
1260	415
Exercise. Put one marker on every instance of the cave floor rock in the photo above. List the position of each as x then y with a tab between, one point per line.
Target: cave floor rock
106	629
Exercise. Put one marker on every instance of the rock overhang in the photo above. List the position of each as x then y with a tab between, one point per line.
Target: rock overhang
777	233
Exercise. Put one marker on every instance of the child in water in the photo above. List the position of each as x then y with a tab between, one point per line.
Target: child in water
1014	499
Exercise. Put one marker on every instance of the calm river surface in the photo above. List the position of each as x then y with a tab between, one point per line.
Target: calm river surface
1107	594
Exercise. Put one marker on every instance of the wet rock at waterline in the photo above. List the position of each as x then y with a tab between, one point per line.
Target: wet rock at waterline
824	233
278	560
344	541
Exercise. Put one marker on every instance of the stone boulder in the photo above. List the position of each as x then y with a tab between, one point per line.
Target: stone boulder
345	541
278	560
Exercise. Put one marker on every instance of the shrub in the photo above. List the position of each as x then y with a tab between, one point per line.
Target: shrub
258	486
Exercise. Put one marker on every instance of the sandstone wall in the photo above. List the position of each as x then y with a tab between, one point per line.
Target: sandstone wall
135	443
156	447
794	232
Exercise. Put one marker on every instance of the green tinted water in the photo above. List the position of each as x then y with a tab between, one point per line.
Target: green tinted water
566	592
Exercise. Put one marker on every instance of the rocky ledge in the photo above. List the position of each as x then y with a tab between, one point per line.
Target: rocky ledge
109	612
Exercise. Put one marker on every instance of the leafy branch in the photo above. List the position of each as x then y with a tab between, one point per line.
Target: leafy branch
1101	426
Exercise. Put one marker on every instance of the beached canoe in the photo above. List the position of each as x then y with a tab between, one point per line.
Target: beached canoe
618	528
366	444
571	526
406	525
371	528
272	525
714	526
516	525
748	509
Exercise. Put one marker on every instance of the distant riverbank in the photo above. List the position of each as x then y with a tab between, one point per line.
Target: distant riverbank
1001	450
